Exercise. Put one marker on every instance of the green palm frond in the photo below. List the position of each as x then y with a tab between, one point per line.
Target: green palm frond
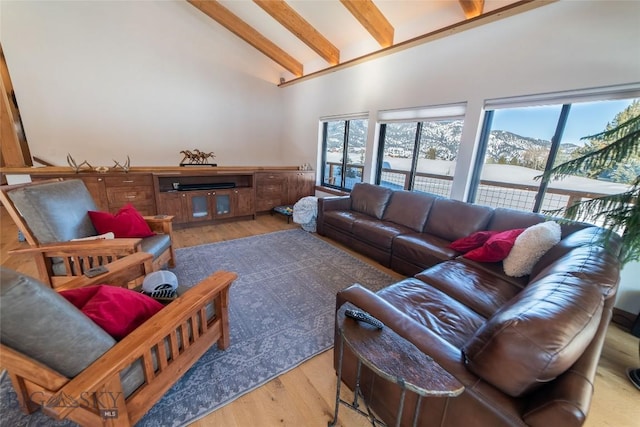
617	213
625	144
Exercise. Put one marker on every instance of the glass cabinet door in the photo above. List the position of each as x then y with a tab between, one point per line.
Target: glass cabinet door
223	204
199	207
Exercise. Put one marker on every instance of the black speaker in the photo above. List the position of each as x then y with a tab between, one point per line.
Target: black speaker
635	328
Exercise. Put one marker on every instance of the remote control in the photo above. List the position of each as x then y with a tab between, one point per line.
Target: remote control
96	271
361	316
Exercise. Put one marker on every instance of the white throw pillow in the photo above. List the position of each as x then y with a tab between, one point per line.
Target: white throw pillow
529	247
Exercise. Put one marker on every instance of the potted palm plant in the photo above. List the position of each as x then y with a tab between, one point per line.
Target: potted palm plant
613	151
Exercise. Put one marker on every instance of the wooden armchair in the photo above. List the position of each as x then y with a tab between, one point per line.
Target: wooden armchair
134	372
53	212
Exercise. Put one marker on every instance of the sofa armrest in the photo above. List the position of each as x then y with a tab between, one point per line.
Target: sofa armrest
567	399
333	203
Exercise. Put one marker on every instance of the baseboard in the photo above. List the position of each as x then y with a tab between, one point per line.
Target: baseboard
623	318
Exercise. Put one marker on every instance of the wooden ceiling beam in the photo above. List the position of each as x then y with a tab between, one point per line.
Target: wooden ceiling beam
472	8
292	21
372	20
227	19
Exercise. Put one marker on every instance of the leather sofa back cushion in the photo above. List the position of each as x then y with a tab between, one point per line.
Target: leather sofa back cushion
453	219
57	211
370	199
537	335
409	208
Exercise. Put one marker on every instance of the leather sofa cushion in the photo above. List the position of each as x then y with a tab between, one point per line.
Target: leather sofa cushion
452	219
507	219
537	335
59	218
38	322
378	233
476	288
449	319
422	249
409	208
590	237
343	220
370	199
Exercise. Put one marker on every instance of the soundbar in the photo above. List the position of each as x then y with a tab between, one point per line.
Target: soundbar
211	186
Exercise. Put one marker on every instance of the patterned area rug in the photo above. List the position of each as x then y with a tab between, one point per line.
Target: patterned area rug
281	314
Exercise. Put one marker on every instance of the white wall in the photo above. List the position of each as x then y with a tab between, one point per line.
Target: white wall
562	46
103	80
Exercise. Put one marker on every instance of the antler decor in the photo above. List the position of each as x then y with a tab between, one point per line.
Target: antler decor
78	167
125	167
196	158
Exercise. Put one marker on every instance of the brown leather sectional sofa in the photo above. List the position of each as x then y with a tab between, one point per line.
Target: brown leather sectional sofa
526	349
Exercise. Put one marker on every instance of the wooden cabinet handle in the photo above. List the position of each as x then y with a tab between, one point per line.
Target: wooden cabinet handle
127	181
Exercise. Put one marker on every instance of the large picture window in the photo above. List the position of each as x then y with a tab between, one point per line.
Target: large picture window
519	143
420	155
344	149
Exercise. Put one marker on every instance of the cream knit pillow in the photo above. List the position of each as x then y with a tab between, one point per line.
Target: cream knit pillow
529	247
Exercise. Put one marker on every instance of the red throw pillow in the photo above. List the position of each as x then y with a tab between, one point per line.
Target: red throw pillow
126	223
472	241
496	248
116	310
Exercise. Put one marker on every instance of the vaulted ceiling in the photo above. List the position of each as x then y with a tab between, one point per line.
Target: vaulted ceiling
306	37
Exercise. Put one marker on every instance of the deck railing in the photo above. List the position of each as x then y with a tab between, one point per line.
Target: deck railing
492	193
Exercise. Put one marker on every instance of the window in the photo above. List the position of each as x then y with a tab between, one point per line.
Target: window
420	155
519	143
340	137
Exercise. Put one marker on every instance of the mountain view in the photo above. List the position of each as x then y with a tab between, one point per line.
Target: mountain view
440	140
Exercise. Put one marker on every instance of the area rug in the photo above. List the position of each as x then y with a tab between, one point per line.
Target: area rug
281	313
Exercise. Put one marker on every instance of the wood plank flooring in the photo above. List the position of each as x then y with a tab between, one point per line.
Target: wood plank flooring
305	395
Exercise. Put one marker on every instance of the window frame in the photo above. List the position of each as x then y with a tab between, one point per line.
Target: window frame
565	100
419	116
341	186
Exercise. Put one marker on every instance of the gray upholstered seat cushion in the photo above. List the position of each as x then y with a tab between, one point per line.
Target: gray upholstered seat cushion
41	324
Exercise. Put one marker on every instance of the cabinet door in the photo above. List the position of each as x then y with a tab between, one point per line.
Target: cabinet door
200	205
271	190
223	204
174	203
299	185
244	202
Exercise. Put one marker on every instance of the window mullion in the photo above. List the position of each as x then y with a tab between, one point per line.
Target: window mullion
555	146
382	139
345	154
482	150
416	153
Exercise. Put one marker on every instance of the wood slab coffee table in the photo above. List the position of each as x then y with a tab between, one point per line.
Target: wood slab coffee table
393	358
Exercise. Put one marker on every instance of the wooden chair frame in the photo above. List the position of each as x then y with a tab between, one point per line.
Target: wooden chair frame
82	255
98	390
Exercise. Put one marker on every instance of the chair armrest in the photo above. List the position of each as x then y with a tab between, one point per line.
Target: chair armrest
121	272
152	333
83	247
160	223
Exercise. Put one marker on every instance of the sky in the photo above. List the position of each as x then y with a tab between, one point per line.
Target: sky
585	119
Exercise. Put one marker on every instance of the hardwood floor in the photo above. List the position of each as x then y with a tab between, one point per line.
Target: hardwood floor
305	395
